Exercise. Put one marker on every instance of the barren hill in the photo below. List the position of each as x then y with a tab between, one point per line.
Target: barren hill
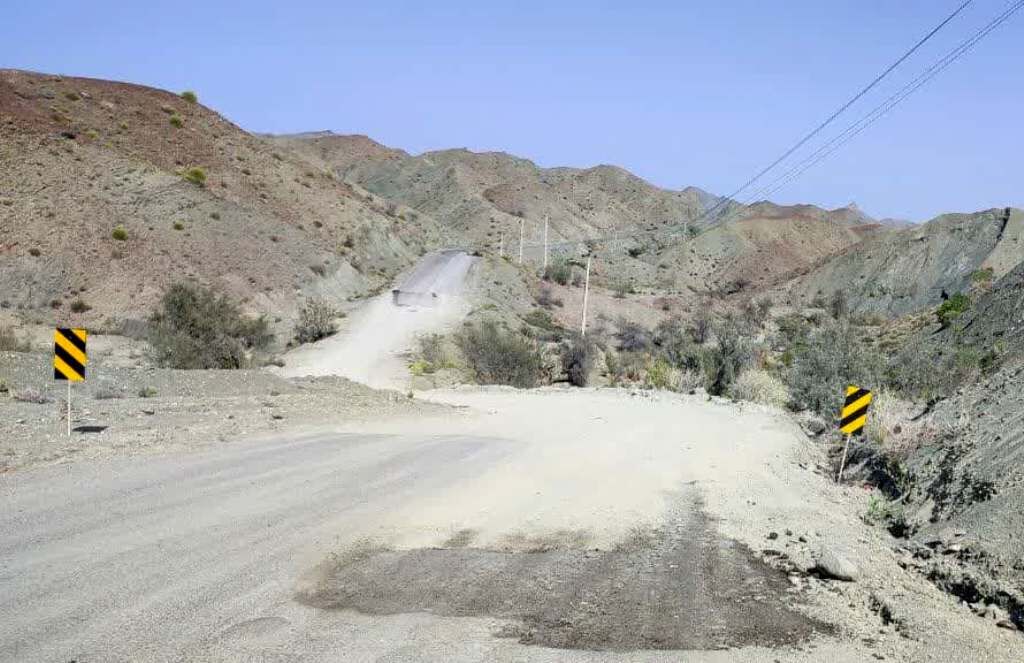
645	230
902	271
81	158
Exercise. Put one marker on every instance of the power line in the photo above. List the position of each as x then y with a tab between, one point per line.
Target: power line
841	109
882	109
844	137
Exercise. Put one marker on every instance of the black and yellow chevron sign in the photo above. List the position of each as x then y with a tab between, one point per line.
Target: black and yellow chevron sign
855	410
69	357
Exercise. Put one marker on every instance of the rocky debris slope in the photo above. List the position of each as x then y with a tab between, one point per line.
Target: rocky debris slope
900	272
968	496
110	191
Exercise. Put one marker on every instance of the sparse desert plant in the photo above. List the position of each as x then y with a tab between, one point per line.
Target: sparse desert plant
758	386
119	233
659	374
34	252
195	175
541	319
633	337
883	418
421	367
193	327
578	358
80	306
190	96
215	216
839	305
499	356
176	121
316	321
106	391
952	308
147	392
435	349
675	344
30	395
560	271
9	341
755	312
700	328
178	225
723	362
831	359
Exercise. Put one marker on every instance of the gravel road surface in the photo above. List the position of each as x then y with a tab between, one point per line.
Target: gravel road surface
551	525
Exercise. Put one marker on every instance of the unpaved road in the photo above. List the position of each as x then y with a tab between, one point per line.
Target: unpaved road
370	346
537	526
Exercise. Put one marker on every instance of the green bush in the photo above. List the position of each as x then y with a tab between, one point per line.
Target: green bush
831	359
498	356
982	276
559	271
316	321
193	328
952	308
119	233
659	375
434	349
195	175
674	343
190	96
176	121
723	362
578	358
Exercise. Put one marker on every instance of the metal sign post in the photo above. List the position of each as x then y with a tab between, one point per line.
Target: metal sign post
69	359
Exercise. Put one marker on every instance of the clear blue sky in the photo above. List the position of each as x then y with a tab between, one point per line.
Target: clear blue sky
681	93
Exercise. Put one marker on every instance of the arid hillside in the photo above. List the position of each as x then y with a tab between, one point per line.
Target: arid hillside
109	192
904	271
643	233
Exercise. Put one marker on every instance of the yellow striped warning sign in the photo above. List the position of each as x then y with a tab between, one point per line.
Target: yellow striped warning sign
69	356
855	410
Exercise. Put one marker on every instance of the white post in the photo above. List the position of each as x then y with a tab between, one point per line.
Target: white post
545	242
586	293
501	244
69	408
521	241
842	463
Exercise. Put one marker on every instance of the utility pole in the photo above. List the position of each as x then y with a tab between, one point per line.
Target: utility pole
545	242
586	292
521	220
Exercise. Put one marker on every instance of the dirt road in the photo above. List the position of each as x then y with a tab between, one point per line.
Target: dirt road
537	526
369	347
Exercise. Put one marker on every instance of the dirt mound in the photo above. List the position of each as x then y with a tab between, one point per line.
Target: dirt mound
111	191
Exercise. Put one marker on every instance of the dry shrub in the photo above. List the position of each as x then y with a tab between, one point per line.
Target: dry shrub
578	359
316	321
193	328
30	395
759	386
9	341
499	356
